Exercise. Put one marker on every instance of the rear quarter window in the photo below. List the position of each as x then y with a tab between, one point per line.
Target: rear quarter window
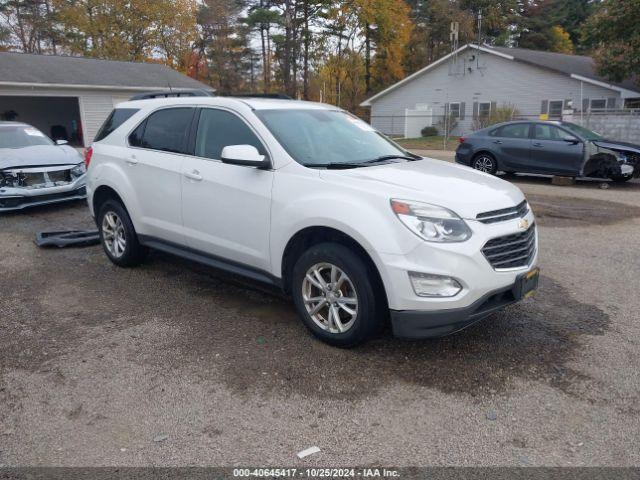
116	118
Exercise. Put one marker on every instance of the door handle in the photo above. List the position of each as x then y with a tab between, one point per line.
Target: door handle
536	144
132	160
193	175
499	142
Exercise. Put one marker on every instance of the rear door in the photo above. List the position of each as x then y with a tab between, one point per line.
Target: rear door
512	146
154	165
552	154
226	209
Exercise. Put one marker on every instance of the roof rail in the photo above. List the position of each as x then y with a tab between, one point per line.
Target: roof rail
280	96
175	92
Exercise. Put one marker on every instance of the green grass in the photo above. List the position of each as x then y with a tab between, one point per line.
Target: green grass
427	143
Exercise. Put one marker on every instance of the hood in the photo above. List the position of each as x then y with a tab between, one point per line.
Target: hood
462	189
614	144
38	155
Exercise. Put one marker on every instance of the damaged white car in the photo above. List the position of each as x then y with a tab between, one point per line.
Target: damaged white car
36	171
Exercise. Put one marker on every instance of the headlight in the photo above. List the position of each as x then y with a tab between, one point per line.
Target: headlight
431	222
79	170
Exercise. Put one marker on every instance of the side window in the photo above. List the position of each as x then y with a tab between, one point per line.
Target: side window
164	130
548	132
516	130
117	117
135	138
218	129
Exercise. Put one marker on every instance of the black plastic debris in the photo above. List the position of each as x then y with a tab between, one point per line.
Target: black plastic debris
68	238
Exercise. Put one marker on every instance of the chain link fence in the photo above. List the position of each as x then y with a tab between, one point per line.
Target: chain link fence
621	125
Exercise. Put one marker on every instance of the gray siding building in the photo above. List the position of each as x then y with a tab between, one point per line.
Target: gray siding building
474	81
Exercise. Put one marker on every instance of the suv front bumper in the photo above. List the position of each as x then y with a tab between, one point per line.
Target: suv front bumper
484	288
425	324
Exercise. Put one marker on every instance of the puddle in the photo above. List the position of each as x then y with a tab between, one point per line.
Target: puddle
555	211
265	348
253	343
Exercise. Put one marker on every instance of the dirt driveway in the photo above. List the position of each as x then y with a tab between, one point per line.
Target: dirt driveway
175	364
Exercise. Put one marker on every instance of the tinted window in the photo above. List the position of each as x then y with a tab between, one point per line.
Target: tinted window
117	117
516	130
549	132
164	130
135	139
218	129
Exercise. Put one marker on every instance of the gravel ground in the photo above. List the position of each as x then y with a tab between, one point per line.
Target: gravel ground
172	363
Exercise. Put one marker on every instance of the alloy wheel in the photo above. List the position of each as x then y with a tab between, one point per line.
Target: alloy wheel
330	298
115	240
484	164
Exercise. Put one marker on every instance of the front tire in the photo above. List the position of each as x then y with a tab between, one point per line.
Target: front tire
620	179
117	235
485	162
335	295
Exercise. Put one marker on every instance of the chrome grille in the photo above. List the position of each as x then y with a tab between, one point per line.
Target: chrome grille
504	214
511	251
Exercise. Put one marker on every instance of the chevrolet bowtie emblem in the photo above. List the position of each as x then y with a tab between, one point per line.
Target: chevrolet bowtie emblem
523	224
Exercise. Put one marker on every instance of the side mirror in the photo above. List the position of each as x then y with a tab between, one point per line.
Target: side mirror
247	155
61	142
570	139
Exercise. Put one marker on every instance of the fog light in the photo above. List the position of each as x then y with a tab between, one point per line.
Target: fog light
428	285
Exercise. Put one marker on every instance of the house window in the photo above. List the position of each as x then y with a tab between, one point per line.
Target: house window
484	109
454	110
555	108
598	104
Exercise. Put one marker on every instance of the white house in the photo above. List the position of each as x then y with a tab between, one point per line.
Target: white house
75	94
473	80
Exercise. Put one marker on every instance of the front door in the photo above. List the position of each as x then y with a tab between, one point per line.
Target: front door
226	208
552	154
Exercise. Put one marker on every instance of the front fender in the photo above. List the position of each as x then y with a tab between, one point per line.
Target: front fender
363	216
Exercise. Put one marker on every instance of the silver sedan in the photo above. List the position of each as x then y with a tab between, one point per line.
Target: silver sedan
34	170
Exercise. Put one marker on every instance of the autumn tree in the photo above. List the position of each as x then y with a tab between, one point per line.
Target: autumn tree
135	30
613	32
29	25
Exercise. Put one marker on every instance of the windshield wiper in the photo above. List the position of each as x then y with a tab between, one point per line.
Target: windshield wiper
392	157
365	163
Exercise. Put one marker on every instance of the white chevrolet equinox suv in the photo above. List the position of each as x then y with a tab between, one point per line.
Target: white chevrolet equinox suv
309	198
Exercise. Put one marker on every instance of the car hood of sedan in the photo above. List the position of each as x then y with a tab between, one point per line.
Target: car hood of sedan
38	156
461	189
615	145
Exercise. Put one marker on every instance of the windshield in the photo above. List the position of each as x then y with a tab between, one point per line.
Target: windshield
582	132
322	137
20	136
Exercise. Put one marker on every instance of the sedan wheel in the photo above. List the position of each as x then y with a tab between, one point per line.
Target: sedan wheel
485	163
330	298
113	233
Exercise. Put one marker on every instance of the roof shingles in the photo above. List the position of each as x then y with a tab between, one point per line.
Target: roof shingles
66	70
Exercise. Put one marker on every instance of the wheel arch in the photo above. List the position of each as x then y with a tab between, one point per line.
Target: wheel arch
314	235
104	193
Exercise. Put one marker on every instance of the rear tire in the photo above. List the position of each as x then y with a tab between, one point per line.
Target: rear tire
117	235
331	280
485	162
